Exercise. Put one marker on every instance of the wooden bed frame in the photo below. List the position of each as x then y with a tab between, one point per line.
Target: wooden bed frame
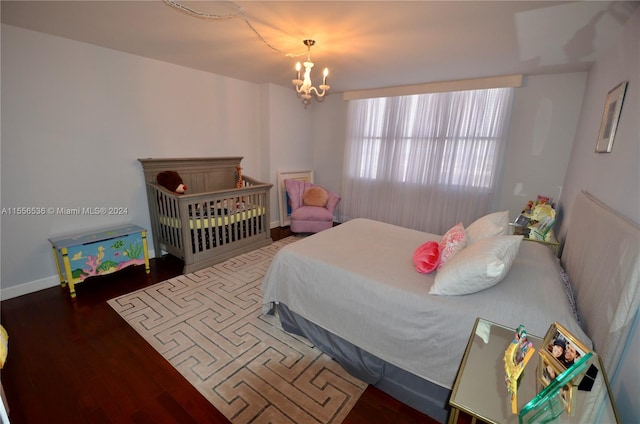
215	220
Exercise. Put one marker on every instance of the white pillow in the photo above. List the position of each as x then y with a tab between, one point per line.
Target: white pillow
494	224
477	267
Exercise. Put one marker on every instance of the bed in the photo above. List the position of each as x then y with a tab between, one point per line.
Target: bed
354	292
223	213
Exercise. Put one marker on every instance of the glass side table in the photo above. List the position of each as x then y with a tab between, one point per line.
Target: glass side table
551	241
479	389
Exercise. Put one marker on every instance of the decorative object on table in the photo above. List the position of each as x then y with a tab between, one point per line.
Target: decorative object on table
561	355
586	384
537	218
543	218
555	398
610	118
522	220
516	357
540	200
172	181
561	347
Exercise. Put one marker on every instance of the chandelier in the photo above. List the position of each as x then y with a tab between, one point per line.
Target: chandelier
304	87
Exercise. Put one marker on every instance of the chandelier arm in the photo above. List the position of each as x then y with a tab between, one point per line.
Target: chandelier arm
315	91
312	90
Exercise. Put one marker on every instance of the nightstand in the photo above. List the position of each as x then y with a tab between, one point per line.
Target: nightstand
550	239
479	389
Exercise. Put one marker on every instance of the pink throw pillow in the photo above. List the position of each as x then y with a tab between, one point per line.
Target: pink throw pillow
452	242
426	257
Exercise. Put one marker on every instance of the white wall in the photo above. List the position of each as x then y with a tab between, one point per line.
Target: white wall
289	133
543	125
329	129
76	118
614	177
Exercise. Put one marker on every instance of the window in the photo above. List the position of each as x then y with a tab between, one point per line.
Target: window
425	145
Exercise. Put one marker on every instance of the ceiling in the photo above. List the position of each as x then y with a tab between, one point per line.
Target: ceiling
365	44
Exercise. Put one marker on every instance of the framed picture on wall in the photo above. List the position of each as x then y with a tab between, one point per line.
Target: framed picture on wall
610	117
283	198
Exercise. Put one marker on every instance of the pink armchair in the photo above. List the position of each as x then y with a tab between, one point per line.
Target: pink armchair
306	218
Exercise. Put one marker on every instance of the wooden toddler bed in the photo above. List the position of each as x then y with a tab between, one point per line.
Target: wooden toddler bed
215	220
355	293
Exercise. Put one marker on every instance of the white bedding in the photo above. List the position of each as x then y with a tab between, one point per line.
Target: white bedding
357	280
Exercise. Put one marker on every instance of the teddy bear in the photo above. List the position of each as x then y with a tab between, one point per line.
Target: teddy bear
171	180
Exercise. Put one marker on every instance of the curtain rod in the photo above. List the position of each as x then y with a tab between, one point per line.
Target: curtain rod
437	87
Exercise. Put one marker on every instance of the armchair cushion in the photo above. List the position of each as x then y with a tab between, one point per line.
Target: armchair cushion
311	213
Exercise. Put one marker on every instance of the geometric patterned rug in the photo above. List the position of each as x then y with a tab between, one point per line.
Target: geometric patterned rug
209	326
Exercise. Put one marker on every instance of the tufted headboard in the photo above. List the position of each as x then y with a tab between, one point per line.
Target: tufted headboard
602	259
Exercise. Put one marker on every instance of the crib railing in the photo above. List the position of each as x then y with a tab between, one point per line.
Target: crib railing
207	228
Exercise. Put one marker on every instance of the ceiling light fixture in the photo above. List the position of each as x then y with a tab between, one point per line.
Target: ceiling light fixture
304	87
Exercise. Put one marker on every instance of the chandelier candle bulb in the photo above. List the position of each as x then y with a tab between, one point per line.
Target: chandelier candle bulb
304	88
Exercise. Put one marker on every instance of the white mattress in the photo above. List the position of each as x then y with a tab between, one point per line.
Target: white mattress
357	280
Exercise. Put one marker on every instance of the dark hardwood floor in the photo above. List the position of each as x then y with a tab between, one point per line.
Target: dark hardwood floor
77	361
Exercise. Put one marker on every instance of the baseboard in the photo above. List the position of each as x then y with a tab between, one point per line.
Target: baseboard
29	287
37	285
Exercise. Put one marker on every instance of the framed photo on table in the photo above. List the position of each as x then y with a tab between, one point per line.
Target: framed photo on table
547	372
610	117
283	197
522	220
561	360
562	348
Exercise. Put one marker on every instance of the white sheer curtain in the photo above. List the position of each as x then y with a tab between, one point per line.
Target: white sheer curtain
425	161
